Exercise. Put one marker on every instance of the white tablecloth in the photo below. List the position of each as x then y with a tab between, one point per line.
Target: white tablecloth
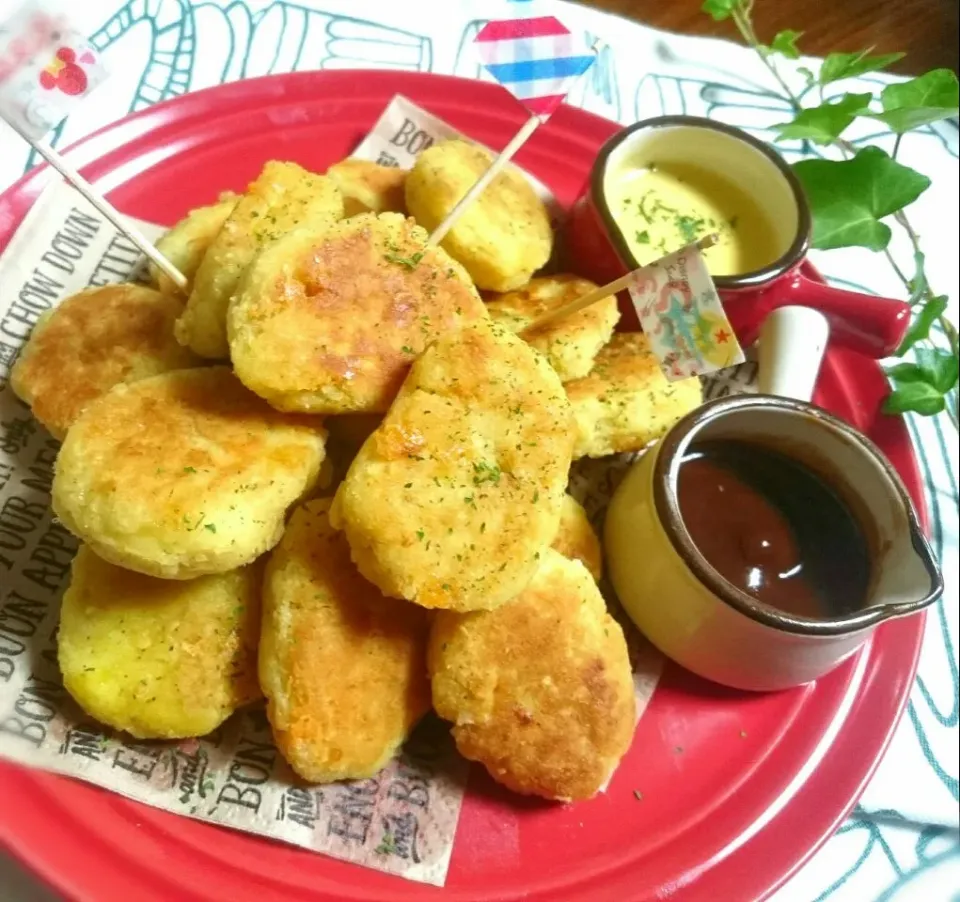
902	843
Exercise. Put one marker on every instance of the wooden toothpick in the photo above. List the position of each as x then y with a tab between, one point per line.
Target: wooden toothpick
103	206
495	168
604	291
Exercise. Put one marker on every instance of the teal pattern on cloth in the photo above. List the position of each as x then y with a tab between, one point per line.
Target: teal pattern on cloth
903	841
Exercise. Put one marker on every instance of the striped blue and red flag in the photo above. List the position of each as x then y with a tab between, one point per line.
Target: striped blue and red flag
535	57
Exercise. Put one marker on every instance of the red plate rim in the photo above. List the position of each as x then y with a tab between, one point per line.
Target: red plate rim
48	840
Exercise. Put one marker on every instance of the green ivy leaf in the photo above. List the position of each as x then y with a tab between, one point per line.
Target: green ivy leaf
720	9
785	43
921	386
825	123
920	327
940	368
920	101
848	65
917	397
848	198
905	372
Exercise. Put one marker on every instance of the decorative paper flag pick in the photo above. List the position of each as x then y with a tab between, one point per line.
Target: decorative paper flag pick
536	57
46	69
604	291
679	310
538	60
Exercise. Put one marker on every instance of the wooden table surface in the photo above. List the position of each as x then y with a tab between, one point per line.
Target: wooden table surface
926	30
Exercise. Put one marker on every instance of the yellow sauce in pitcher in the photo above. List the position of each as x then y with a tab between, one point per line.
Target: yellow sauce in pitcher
661	207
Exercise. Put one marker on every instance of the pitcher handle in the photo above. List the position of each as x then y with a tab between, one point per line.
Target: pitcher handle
866	323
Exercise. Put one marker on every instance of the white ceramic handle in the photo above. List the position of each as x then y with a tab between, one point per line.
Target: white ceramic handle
792	344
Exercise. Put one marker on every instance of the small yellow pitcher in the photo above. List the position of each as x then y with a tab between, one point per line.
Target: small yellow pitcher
713	628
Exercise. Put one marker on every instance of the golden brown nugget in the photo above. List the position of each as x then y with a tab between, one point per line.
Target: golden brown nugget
570	344
283	197
329	320
540	690
369	187
92	341
343	668
575	539
449	503
626	402
158	658
183	474
188	241
503	237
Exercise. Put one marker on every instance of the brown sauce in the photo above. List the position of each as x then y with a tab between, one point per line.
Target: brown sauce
774	529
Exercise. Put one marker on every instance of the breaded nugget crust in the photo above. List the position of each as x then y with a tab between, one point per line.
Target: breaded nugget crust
570	344
626	402
183	474
540	690
450	501
282	197
576	540
188	241
329	320
369	187
161	659
503	237
92	341
343	668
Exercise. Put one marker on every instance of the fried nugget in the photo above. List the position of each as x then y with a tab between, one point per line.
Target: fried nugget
540	690
329	320
575	539
626	402
283	197
570	344
343	668
161	659
453	497
187	242
504	236
369	187
183	474
91	342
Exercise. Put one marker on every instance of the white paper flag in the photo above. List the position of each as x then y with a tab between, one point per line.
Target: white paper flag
47	67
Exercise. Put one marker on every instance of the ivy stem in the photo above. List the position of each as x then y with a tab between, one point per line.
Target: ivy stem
949	330
741	18
896	268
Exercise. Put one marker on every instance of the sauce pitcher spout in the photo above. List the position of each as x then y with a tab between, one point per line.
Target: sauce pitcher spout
910	579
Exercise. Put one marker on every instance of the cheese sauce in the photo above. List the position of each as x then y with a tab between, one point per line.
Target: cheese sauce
661	207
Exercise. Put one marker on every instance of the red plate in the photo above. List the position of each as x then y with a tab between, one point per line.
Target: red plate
737	790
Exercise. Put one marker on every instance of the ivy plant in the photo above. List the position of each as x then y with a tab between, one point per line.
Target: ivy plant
858	200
